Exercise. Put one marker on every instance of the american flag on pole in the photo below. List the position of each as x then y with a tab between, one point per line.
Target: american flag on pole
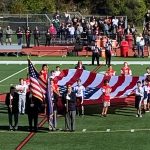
38	85
122	86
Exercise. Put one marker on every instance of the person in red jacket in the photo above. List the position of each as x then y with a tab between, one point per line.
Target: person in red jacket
126	71
110	71
106	90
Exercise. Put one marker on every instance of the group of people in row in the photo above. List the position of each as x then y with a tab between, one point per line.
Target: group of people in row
20	99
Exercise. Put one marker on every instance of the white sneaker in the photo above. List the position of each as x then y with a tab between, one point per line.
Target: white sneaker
137	116
140	116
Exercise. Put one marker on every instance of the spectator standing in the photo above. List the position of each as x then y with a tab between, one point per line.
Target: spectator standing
108	49
95	54
48	38
1	35
134	32
126	71
36	34
9	33
19	33
106	90
22	90
139	93
53	33
120	34
128	30
11	101
141	47
79	90
69	101
71	30
28	36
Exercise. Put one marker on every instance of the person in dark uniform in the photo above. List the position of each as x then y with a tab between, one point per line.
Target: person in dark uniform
95	54
28	36
12	101
48	38
108	49
69	101
32	109
36	34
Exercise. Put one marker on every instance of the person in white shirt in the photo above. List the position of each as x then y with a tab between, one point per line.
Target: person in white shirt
22	90
72	31
79	90
140	45
57	71
139	94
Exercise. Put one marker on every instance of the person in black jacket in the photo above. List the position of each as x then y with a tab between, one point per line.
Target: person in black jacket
32	109
36	34
12	100
69	101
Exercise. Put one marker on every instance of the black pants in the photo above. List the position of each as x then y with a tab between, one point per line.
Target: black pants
33	117
95	55
48	41
36	42
28	42
108	57
10	116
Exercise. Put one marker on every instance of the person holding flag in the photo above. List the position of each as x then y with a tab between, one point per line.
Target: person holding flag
110	71
53	95
79	90
126	71
12	100
106	90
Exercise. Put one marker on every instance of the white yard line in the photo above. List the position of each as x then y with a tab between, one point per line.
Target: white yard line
81	132
74	62
12	75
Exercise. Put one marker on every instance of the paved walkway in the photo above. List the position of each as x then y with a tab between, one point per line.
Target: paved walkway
74	62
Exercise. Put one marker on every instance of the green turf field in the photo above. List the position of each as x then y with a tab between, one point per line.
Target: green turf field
68	58
120	120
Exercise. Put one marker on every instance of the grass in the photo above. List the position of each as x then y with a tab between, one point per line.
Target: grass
68	58
119	118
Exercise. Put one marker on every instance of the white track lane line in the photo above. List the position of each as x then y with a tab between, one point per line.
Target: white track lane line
13	75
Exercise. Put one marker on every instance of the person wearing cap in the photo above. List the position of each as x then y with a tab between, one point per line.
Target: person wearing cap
69	101
12	100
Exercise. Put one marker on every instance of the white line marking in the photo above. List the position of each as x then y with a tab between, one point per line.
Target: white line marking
78	132
13	75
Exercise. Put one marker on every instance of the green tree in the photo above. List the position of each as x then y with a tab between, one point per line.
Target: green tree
18	7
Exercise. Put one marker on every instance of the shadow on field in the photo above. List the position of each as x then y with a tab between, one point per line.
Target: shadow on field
93	110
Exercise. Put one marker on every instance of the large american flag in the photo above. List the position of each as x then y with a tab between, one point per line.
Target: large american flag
38	85
122	86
